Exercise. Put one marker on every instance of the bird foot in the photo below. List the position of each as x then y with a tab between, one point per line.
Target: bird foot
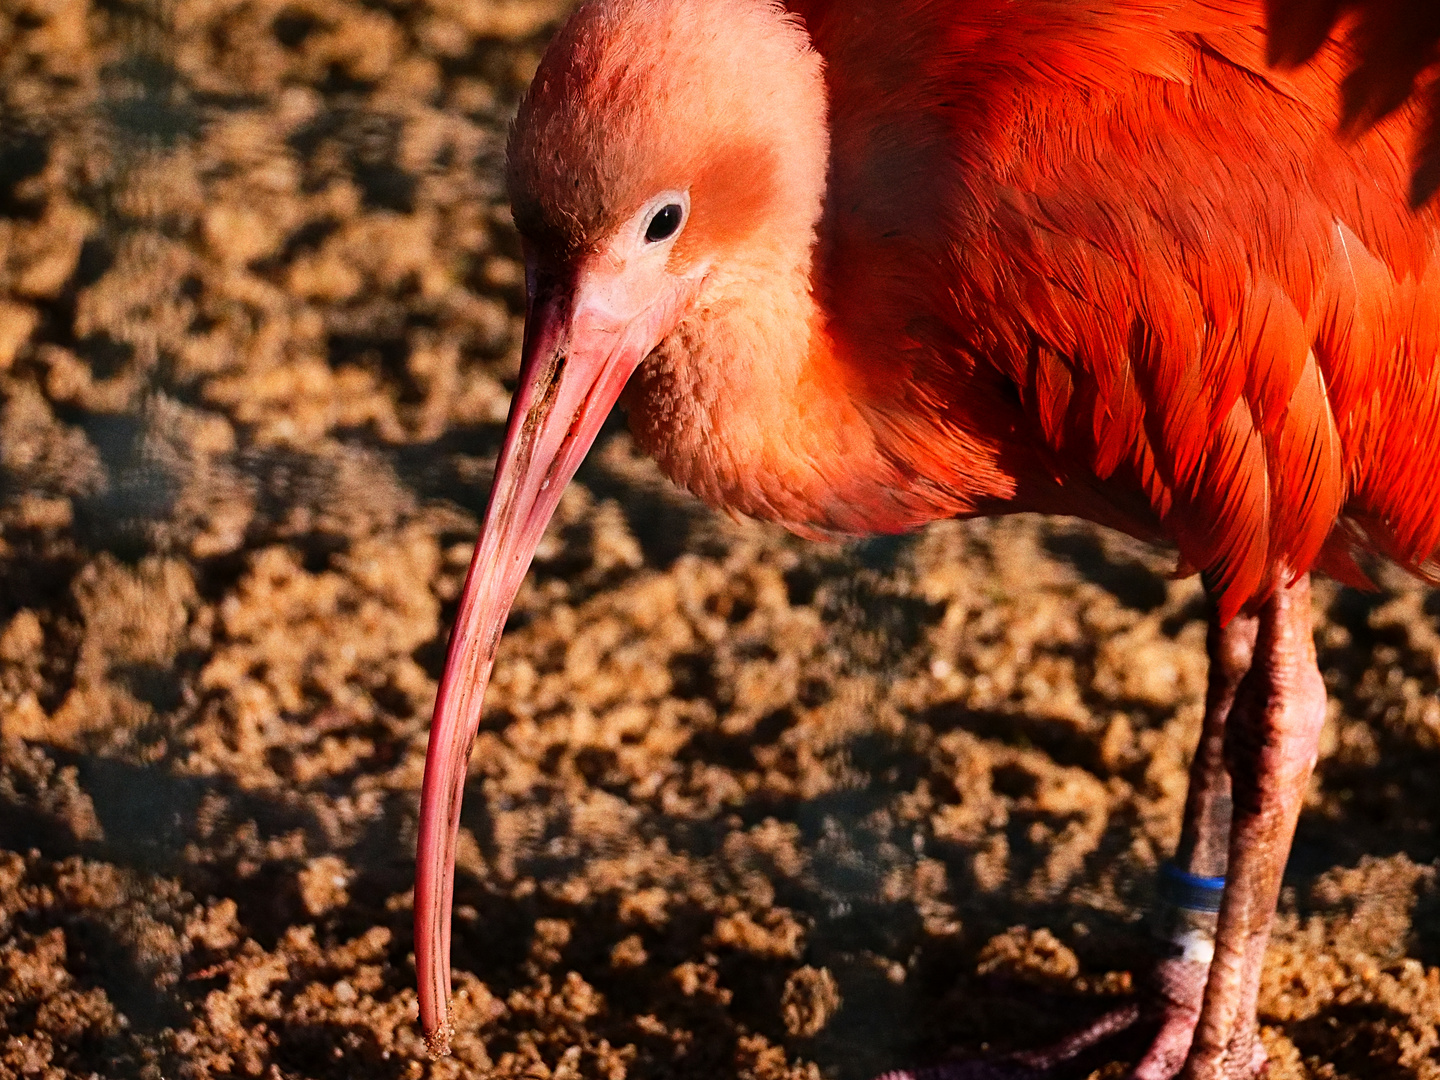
1179	989
1180	985
1029	1064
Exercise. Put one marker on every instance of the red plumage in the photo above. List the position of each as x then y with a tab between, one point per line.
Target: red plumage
1170	286
1393	56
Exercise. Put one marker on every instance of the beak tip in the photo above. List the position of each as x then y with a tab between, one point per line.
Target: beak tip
437	1042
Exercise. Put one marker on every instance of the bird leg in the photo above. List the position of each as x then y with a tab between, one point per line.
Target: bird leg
1265	704
1189	895
1189	901
1188	905
1264	711
1270	746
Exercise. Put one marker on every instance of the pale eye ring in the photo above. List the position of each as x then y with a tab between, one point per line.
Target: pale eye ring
665	224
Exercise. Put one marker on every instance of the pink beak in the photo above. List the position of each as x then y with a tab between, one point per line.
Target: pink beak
578	353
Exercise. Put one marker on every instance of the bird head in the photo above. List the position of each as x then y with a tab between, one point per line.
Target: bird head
666	150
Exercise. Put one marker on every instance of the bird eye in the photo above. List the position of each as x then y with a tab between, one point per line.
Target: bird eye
664	224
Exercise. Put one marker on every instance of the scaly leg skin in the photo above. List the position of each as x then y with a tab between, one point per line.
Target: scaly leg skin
1264	709
1264	712
1271	744
1180	972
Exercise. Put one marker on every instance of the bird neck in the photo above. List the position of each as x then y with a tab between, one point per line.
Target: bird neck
747	405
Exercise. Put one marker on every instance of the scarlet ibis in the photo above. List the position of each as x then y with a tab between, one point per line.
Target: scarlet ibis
854	267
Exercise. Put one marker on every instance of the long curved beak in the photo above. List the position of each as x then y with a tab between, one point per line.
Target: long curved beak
578	353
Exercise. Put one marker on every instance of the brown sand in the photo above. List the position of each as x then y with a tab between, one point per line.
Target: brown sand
743	806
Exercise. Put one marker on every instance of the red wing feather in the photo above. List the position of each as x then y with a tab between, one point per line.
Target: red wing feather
1393	55
1217	320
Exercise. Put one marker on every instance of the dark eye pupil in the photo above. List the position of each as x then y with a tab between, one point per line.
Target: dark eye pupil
663	224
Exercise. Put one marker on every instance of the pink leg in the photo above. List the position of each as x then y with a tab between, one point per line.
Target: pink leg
1186	923
1264	708
1270	748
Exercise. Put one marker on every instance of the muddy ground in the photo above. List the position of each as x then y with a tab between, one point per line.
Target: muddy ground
743	806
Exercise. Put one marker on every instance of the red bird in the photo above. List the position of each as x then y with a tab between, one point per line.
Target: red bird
856	267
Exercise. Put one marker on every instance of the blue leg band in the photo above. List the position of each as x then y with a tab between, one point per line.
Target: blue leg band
1187	913
1190	891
